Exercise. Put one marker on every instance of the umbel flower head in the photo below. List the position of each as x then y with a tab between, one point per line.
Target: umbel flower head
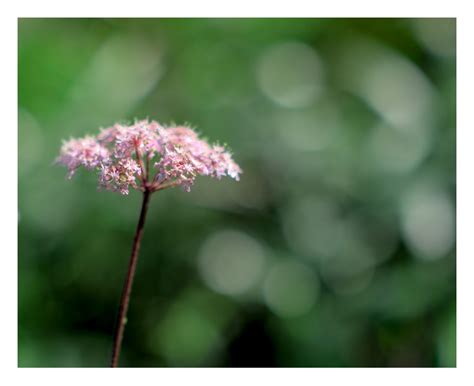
147	156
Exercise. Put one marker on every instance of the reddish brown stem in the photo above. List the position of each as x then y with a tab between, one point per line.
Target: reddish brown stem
144	176
127	288
147	176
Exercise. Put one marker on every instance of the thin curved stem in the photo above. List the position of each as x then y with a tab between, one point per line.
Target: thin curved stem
148	159
144	175
156	188
127	288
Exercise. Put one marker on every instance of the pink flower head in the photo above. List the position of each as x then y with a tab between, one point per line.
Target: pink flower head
123	156
85	152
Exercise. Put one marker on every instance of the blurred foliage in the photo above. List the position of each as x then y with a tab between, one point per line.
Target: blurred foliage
337	247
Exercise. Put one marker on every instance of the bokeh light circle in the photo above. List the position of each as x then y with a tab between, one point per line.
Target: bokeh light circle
290	74
428	222
291	289
231	262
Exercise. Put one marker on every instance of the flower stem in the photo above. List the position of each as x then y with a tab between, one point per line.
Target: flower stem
127	288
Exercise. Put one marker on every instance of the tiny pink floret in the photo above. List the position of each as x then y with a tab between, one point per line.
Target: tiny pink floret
123	156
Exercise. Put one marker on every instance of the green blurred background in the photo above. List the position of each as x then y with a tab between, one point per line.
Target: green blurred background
336	248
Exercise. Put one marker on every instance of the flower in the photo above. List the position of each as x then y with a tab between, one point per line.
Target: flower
126	156
83	151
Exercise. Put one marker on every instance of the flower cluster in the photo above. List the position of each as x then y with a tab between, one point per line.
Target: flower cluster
127	156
